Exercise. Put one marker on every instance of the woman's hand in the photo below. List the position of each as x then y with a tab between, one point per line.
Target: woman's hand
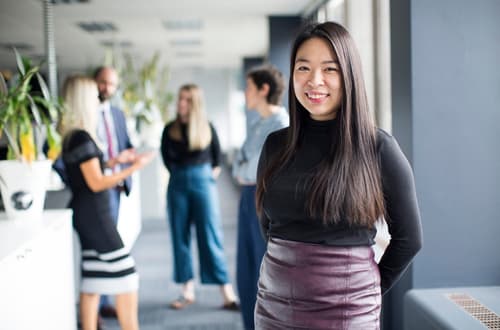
216	172
141	160
126	156
243	182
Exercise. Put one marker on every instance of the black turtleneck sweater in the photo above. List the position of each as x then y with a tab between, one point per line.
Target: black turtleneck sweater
177	153
285	215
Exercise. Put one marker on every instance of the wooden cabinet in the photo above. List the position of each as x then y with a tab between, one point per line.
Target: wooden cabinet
37	280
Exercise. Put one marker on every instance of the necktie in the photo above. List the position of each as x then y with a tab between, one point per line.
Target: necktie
109	139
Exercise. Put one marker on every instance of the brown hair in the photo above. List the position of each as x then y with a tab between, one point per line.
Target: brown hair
270	75
347	184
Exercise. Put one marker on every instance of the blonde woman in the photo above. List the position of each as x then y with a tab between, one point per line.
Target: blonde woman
107	268
191	152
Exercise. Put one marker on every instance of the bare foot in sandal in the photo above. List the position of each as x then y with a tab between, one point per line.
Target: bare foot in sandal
181	302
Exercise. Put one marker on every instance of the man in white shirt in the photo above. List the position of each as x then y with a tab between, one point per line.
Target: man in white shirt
113	137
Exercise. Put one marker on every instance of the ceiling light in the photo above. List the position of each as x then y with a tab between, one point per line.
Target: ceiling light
188	54
185	42
113	43
68	2
92	27
20	46
194	24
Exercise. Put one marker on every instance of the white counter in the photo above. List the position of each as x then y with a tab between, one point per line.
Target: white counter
37	283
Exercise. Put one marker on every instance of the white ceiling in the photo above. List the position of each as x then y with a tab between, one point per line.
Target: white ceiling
229	30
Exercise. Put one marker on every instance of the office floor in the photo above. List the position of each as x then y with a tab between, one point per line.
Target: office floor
152	253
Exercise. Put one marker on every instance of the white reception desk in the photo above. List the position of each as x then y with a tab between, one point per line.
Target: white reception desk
37	279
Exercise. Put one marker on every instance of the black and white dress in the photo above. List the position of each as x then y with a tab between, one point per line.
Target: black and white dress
107	267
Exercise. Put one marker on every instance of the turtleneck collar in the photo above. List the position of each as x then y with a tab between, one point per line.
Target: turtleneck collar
321	125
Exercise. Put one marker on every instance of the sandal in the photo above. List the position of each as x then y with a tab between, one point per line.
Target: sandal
231	306
181	302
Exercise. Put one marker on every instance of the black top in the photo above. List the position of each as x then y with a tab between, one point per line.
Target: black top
177	153
285	215
92	214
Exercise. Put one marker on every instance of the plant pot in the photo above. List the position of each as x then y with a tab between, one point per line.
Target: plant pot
150	134
23	187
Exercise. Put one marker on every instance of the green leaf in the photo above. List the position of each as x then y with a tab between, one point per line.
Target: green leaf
13	147
53	138
3	86
34	110
43	86
20	64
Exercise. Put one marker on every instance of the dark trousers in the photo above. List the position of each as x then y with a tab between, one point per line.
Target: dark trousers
251	249
192	198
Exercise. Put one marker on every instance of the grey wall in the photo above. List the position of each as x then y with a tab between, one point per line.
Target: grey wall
446	115
456	120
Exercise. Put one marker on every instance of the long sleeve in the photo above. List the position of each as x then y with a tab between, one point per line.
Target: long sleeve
164	147
247	158
122	130
264	220
123	142
215	148
403	215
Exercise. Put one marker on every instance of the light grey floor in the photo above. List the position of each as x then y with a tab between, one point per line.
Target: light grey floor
152	253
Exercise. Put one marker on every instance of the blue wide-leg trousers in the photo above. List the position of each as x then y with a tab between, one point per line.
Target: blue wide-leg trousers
192	199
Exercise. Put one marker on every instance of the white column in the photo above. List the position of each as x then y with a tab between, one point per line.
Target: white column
359	20
383	105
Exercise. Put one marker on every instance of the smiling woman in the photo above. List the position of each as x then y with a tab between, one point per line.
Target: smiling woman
317	80
322	184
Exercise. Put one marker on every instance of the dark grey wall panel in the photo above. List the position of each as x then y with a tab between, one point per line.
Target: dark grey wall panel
282	32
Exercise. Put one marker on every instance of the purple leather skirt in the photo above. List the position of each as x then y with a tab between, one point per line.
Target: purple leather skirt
312	286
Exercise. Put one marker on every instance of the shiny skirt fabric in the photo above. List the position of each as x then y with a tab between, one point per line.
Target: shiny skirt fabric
312	286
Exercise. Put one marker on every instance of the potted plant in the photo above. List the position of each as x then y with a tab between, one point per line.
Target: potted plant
146	98
26	122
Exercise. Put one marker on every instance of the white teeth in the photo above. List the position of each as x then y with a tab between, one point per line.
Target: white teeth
316	96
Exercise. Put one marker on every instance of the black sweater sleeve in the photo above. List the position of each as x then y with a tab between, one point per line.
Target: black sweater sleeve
264	220
165	144
402	214
215	148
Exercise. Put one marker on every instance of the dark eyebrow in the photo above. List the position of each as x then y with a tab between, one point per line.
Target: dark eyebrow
324	62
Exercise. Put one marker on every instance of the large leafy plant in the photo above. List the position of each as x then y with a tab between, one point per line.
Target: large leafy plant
24	113
145	91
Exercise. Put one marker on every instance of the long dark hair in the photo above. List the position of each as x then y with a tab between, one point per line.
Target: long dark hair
347	183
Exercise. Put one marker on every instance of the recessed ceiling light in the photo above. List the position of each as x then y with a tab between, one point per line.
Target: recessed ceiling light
68	2
93	27
188	54
194	24
113	43
20	46
185	42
